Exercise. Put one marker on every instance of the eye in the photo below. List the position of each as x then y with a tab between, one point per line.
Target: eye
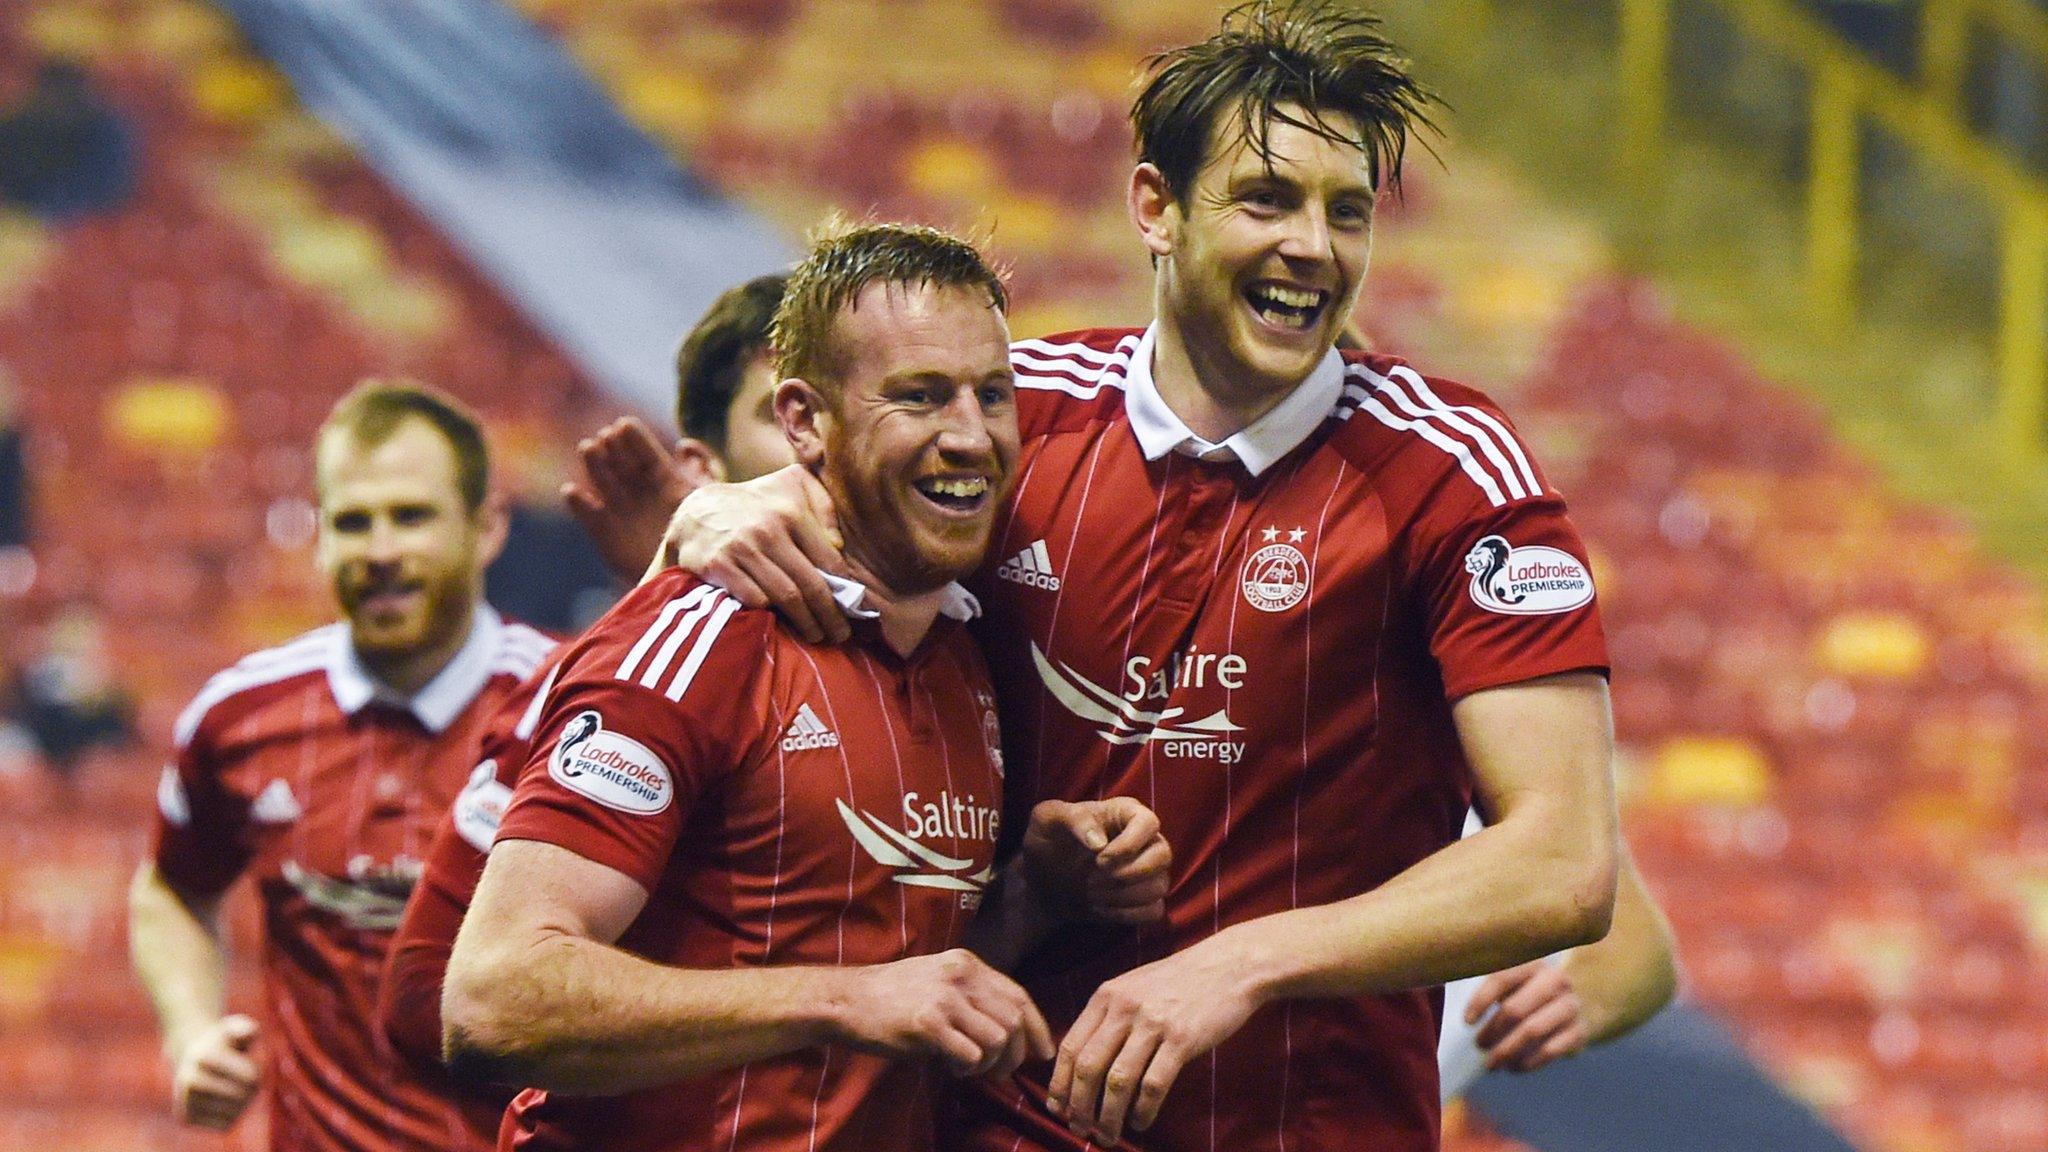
1350	213
412	516
350	522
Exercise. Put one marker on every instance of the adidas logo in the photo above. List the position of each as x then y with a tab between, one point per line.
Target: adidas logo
275	805
1032	568
807	731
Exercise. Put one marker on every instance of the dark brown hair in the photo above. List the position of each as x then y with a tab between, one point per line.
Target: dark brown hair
714	356
847	258
1326	59
375	409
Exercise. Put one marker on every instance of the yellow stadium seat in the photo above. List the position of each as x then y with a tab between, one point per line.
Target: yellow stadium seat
173	417
1873	644
1719	770
240	91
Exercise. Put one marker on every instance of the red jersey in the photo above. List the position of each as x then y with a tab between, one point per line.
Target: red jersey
409	1000
1261	640
782	804
298	769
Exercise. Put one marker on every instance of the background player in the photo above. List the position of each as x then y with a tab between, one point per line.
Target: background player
1313	519
319	769
725	386
815	824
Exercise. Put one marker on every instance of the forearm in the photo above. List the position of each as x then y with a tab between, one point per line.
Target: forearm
1509	894
570	1014
1629	976
177	953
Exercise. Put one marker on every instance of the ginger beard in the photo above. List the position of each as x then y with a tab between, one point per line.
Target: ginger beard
919	451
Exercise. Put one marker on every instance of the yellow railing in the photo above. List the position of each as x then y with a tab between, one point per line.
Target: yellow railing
1848	90
1945	27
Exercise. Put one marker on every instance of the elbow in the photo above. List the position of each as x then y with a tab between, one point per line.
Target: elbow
481	1042
1584	895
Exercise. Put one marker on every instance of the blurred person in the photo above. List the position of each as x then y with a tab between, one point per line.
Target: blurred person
14	486
69	700
64	151
1355	600
749	862
318	769
725	384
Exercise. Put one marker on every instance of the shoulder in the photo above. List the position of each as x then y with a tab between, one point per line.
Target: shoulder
1423	435
255	678
1072	377
671	633
521	650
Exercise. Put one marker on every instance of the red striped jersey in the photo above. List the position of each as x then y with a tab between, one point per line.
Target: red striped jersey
409	1000
296	768
782	804
1261	639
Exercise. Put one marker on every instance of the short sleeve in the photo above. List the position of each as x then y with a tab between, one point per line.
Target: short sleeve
621	757
1508	592
202	841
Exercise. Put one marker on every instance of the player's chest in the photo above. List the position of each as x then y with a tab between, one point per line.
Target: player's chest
871	776
351	805
1180	602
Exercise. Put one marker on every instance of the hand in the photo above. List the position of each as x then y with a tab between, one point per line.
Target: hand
765	541
1137	1033
1539	1019
633	486
974	1019
1103	858
214	1076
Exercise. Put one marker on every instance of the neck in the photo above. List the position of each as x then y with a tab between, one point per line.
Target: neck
906	618
408	672
1197	385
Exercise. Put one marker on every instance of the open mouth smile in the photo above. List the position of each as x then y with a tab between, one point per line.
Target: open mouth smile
956	495
1287	307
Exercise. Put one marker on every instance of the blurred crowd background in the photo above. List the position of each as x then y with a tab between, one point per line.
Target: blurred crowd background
1764	281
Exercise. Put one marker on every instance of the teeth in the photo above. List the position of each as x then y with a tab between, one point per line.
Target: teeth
964	488
1290	297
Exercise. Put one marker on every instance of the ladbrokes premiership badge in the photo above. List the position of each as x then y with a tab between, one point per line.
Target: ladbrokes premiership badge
1276	577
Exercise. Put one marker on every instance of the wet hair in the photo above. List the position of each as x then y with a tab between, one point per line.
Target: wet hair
1328	60
714	356
375	410
846	258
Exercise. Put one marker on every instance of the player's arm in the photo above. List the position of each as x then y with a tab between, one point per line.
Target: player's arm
174	941
1104	861
1544	1011
1540	879
538	994
767	542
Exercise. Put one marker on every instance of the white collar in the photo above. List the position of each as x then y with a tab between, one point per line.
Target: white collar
959	604
1257	447
445	696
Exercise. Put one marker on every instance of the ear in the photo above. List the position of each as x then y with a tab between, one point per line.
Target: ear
804	418
492	522
697	464
1154	211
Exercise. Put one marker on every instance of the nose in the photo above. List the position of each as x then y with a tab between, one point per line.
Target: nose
1307	235
965	430
381	545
